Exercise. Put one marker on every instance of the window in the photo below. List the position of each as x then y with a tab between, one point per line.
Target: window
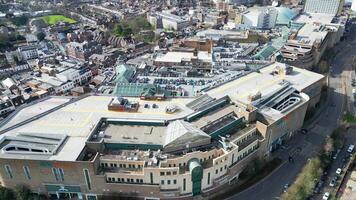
162	182
225	166
55	173
137	180
26	170
162	173
216	171
174	173
168	173
169	182
8	171
184	185
174	181
220	169
209	178
61	174
151	177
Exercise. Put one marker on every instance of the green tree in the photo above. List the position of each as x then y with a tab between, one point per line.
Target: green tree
19	21
22	192
40	36
6	193
118	30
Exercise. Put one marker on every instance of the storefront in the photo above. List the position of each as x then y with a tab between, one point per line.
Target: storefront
64	192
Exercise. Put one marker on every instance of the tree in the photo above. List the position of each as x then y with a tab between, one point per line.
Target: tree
22	192
118	30
6	193
40	35
19	21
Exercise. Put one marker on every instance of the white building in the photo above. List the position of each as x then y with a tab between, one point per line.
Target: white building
58	85
324	6
170	21
27	52
353	5
260	17
77	76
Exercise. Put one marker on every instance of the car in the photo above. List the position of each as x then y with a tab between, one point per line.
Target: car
326	196
332	182
304	131
147	106
336	154
154	106
338	171
285	187
318	187
351	148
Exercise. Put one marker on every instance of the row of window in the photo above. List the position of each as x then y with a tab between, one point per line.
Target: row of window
122	180
184	164
168	173
245	154
174	182
57	172
221	168
121	165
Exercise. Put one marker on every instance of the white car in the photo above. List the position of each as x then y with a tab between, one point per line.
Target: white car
326	196
351	148
338	171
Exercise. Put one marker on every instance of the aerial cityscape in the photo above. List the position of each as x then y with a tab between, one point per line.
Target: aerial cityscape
178	99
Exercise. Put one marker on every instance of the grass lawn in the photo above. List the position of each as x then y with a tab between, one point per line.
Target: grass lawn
54	19
349	118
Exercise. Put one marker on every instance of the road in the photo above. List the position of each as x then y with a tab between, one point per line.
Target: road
272	186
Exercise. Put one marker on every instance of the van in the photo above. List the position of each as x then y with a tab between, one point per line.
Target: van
351	148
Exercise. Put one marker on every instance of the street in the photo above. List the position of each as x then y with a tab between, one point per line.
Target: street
272	186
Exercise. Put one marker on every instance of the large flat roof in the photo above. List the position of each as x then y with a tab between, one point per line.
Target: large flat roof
77	119
265	82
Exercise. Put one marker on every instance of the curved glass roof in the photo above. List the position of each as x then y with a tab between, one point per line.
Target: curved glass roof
285	15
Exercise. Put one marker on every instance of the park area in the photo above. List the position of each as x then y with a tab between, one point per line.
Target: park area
54	19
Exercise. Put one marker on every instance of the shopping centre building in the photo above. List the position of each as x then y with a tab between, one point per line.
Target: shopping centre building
174	148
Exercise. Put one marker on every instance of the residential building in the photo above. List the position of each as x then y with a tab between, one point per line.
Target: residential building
82	51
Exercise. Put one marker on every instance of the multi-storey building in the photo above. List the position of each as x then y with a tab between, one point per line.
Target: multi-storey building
305	48
260	17
81	148
333	7
168	21
82	51
27	52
